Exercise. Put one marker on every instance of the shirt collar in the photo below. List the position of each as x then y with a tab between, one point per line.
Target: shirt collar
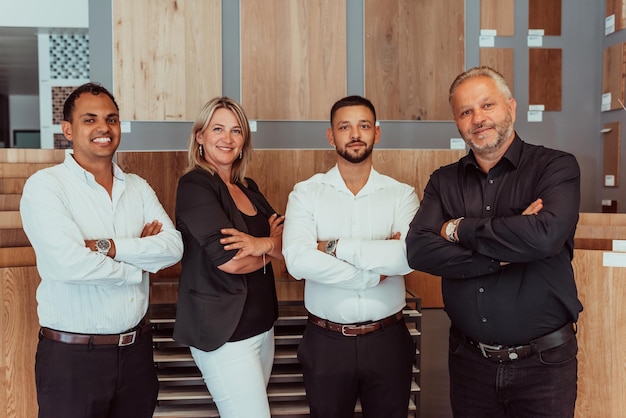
87	176
333	178
513	155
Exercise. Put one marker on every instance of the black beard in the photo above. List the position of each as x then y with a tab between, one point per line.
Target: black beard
355	159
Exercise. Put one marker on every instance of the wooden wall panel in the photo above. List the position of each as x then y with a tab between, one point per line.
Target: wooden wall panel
617	8
502	60
167	57
546	15
601	331
293	58
545	77
498	15
611	152
18	341
613	73
413	52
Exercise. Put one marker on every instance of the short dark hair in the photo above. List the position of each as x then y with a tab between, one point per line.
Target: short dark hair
92	88
351	101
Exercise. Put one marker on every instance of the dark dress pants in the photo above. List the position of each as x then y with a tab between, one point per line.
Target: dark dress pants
98	381
542	385
375	368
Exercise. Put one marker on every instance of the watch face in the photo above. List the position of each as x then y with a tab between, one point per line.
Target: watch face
103	245
330	246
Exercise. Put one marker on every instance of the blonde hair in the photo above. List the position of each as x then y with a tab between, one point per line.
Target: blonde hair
240	165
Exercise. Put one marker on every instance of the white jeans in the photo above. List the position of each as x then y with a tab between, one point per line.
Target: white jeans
237	374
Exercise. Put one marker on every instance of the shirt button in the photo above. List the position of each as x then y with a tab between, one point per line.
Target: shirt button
487	207
132	300
484	319
481	290
490	181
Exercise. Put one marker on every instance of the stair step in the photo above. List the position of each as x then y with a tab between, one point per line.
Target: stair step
278	409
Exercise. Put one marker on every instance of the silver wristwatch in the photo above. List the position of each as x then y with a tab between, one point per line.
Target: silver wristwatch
103	246
331	247
451	230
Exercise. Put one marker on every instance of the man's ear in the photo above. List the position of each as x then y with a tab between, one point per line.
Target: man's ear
66	128
330	136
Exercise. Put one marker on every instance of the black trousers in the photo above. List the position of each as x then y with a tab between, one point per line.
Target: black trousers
375	368
98	381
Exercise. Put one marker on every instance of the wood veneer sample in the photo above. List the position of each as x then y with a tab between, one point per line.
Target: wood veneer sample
498	15
167	59
413	52
611	154
546	15
617	8
613	73
501	60
544	78
293	58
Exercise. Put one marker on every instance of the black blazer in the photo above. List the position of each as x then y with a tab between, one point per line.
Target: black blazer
210	301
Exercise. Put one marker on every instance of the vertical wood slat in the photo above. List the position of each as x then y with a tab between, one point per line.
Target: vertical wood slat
613	74
293	57
411	58
601	331
18	341
498	15
167	57
617	8
611	152
545	77
502	60
546	15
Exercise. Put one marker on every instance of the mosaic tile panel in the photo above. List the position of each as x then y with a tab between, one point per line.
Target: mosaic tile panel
60	142
69	56
59	94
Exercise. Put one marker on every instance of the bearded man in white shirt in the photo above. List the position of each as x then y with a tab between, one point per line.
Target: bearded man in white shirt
96	232
344	234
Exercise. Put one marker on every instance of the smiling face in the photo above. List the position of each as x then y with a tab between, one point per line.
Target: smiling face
483	115
222	140
354	133
94	129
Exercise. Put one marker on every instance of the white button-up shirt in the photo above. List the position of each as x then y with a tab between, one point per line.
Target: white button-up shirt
81	290
347	289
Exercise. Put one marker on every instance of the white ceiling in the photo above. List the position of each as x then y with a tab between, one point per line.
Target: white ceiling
19	61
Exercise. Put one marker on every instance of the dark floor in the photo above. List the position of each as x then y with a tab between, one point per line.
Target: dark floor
434	398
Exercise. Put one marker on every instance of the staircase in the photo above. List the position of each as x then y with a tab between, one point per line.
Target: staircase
184	395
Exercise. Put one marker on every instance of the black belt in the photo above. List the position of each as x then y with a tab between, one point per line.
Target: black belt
352	330
500	353
126	338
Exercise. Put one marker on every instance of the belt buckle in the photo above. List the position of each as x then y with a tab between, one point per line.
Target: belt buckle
343	330
484	347
125	340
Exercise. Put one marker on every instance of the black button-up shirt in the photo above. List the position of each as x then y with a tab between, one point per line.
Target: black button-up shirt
535	293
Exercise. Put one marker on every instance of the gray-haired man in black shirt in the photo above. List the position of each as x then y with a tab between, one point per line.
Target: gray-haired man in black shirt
498	226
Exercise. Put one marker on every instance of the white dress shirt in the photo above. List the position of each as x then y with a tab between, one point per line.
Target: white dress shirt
347	288
81	290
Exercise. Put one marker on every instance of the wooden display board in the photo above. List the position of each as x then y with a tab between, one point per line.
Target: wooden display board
613	73
293	58
611	154
544	78
498	15
412	55
546	15
617	8
167	57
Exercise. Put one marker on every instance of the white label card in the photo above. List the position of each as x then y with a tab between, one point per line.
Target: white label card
606	102
609	180
535	116
252	125
486	41
535	40
609	25
619	245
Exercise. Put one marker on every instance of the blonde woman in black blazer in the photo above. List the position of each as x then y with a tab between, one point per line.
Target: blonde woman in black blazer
227	297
